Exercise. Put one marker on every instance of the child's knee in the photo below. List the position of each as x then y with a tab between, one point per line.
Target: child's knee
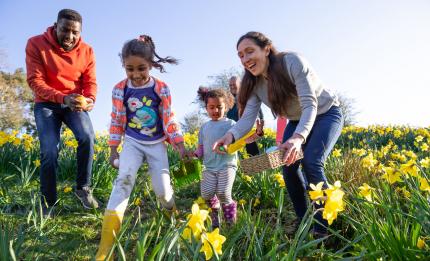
124	184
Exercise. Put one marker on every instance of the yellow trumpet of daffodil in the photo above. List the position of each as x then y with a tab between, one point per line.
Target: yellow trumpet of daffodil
317	192
425	163
409	168
213	241
366	192
334	203
391	175
421	243
196	221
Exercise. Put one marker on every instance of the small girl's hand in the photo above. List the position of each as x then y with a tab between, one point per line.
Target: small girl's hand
114	155
223	142
181	149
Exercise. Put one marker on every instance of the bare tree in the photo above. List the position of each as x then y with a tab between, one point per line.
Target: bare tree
220	80
193	121
347	105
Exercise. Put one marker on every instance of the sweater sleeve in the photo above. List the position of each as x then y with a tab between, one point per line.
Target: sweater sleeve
301	75
246	122
171	127
118	116
36	75
89	84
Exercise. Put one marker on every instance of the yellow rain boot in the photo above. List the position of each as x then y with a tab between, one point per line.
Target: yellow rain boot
111	224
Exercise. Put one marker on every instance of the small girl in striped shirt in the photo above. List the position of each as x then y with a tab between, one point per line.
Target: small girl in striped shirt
219	170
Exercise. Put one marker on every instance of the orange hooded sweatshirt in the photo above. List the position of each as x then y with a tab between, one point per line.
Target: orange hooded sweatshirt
53	73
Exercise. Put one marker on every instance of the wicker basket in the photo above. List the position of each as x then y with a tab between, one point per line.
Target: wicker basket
266	161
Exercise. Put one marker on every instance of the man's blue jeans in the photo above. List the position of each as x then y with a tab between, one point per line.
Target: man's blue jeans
49	118
319	143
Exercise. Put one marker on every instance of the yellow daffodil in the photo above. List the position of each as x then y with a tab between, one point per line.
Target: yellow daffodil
196	220
213	241
424	185
336	153
366	192
137	201
280	179
359	152
242	202
409	168
256	202
71	143
425	163
334	203
247	178
421	244
67	189
36	163
369	161
404	191
424	147
187	234
67	133
391	175
397	133
419	138
317	194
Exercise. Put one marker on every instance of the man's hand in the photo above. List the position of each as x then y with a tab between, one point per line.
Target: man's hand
90	104
77	102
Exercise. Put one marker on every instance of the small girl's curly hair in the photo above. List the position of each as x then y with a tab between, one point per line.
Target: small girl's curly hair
205	93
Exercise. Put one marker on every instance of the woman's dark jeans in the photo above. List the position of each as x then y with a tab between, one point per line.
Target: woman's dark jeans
319	143
49	118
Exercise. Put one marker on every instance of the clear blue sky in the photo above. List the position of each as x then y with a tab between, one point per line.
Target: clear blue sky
376	52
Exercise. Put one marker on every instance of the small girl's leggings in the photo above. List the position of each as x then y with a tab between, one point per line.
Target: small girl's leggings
218	182
131	158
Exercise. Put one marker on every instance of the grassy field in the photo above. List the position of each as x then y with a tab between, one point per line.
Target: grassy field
378	205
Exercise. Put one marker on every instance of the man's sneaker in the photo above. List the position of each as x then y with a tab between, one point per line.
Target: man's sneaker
86	197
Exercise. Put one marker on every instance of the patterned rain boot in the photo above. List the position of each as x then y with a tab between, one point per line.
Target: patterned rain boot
213	203
230	212
111	225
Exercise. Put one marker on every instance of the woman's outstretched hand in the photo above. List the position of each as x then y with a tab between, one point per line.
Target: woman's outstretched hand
220	146
292	147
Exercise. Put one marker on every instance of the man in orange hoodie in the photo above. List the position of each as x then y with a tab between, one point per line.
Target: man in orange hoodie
61	73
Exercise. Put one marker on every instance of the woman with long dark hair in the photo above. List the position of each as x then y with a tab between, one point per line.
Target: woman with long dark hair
287	84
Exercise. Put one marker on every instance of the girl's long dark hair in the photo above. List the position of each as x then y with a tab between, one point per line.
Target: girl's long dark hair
280	87
144	47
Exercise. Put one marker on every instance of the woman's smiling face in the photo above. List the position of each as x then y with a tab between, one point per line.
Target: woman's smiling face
253	57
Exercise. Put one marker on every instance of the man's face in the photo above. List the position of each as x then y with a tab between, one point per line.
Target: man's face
234	87
68	33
